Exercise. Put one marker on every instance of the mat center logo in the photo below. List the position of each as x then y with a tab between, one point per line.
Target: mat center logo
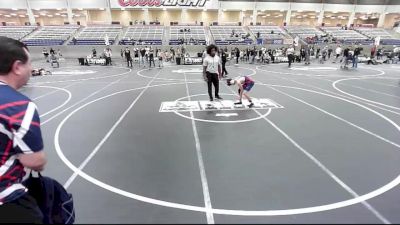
126	3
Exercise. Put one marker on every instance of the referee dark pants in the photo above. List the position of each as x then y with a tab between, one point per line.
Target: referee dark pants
224	72
212	79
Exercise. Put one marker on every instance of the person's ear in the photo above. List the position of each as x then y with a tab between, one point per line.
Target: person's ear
17	67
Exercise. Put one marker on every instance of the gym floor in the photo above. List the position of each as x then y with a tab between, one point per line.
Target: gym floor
331	154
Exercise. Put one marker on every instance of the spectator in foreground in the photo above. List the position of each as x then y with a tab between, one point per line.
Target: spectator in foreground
21	144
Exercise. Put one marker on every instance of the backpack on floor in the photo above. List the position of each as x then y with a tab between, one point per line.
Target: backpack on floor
53	200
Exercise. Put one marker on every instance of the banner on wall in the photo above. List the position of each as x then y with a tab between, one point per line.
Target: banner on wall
208	4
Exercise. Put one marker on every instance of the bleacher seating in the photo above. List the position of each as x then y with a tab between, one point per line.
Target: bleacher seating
149	35
386	37
51	35
304	32
197	34
95	35
346	36
223	35
16	32
268	32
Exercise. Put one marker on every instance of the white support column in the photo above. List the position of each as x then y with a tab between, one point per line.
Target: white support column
108	12
288	14
220	15
183	15
31	17
351	17
321	16
147	16
288	17
382	16
69	12
255	14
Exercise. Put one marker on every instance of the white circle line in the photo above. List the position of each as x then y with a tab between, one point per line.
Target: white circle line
320	208
60	106
317	75
334	85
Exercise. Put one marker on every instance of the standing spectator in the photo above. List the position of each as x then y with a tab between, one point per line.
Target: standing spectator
45	53
21	144
345	58
237	55
74	40
357	52
128	57
373	50
224	56
52	51
173	54
151	57
212	71
122	53
53	60
142	56
59	53
338	52
318	53
161	57
307	53
290	54
94	53
330	50
302	53
108	54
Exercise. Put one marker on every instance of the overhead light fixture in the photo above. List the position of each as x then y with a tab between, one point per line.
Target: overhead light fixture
37	9
42	14
101	9
300	10
165	9
335	12
312	17
64	15
50	15
13	14
264	16
21	15
59	9
82	9
224	10
205	10
281	10
122	9
15	9
7	15
36	16
268	14
57	14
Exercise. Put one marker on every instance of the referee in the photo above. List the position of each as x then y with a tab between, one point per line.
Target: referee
212	71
